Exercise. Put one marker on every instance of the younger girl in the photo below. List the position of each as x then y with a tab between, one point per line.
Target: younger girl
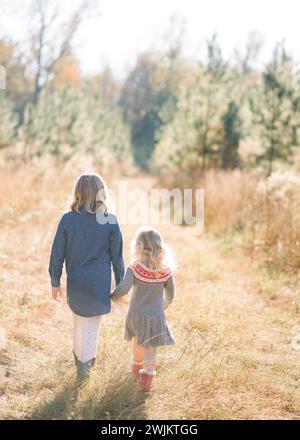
153	290
89	241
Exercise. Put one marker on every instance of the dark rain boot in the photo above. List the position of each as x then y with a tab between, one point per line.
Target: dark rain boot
75	358
83	369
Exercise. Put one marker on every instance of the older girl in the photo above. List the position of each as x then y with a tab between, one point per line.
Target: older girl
89	241
151	277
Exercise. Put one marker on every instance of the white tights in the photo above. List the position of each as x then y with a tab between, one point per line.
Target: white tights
85	336
145	356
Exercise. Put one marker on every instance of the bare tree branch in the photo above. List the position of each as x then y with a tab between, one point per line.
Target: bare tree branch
52	38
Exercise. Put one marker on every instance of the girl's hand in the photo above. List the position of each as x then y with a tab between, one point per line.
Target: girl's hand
120	300
56	293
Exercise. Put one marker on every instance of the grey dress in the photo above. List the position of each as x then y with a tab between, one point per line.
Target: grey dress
153	291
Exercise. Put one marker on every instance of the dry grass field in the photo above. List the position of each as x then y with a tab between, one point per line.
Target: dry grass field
232	319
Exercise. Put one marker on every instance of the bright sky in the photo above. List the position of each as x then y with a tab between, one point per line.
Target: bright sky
126	27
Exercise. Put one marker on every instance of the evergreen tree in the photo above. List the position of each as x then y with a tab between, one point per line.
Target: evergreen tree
272	109
65	121
191	142
149	100
231	137
8	121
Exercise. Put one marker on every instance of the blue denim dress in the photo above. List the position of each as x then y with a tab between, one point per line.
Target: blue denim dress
90	246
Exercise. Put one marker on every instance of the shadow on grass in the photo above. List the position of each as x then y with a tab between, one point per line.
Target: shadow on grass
121	400
59	408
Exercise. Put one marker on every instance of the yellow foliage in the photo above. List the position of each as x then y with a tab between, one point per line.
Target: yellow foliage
67	72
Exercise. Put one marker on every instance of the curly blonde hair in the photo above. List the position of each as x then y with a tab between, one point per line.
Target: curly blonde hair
90	194
149	247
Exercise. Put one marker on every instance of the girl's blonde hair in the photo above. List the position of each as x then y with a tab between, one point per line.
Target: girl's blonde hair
90	194
149	247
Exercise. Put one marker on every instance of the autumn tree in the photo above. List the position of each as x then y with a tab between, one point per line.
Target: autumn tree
51	36
67	71
18	82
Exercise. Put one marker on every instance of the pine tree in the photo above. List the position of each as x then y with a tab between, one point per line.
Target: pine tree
149	99
271	103
8	121
231	137
191	143
65	121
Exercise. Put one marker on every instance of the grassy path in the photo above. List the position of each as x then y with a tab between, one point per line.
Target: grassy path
232	323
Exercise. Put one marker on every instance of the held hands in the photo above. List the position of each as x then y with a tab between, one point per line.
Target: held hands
114	299
57	293
117	300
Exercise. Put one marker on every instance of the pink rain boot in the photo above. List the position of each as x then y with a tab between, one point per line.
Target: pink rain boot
145	381
136	367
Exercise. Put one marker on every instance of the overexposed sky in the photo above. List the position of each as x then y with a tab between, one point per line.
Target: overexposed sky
127	27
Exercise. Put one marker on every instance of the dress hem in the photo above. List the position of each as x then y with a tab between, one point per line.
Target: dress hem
129	338
88	315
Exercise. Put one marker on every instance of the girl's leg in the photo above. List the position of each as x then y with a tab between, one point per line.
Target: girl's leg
137	358
138	352
150	360
85	336
148	372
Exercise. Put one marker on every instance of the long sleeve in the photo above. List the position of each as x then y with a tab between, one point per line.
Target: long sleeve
58	254
124	286
169	291
116	253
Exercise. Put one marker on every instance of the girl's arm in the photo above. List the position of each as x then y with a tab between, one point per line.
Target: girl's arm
124	286
58	254
169	292
116	253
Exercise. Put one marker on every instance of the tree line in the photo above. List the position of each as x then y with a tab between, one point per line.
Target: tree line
173	115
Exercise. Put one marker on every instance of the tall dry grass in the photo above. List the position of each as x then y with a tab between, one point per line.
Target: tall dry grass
228	200
275	221
263	211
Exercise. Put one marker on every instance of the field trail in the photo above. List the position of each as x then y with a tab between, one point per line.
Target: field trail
233	325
